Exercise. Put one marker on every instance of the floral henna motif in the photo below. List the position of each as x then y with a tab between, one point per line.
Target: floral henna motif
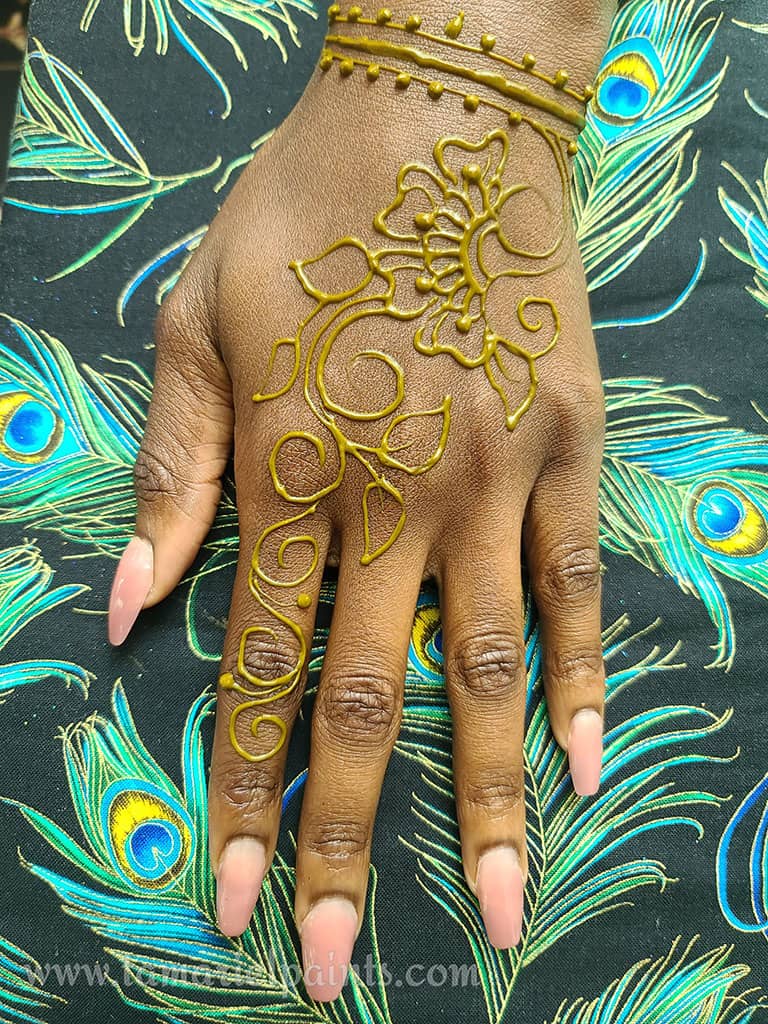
463	204
433	274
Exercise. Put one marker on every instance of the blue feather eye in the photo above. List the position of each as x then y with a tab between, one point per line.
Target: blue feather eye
150	836
626	85
30	431
722	519
426	651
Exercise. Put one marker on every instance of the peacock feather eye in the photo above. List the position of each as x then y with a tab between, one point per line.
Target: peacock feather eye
627	83
150	836
30	431
426	652
722	519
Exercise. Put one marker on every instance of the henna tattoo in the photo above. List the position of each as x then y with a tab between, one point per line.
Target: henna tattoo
433	275
495	78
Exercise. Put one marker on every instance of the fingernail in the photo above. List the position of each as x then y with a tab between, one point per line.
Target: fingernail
132	583
500	894
585	751
327	937
239	878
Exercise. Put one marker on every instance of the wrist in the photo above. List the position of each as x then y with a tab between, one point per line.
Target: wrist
464	58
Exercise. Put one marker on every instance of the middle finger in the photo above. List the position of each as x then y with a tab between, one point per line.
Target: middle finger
355	723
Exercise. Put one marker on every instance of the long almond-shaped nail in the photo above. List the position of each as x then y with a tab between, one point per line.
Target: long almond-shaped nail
238	881
500	894
327	937
585	751
132	583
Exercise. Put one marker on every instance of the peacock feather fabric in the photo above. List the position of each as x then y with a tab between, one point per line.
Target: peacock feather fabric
647	904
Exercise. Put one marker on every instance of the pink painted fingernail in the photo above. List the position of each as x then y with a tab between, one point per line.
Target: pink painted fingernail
327	937
585	751
500	894
132	583
238	881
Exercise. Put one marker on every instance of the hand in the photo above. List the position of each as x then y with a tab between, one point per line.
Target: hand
389	315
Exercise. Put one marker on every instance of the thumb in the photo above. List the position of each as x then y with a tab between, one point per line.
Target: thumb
178	470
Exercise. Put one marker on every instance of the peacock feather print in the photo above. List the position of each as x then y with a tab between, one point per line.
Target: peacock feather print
578	869
68	439
752	223
23	995
180	251
268	17
760	27
685	494
633	168
67	144
26	592
177	254
140	878
743	850
696	990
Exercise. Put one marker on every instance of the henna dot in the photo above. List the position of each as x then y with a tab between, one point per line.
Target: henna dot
413	23
472	172
355	12
227	681
424	221
372	72
424	284
573	148
515	117
326	59
464	324
346	67
529	61
589	92
403	80
435	90
454	26
561	79
471	102
334	11
487	42
303	600
383	16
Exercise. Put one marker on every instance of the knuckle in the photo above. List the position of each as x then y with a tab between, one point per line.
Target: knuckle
581	411
570	573
488	666
337	840
153	477
182	312
359	707
248	791
265	660
188	359
576	669
495	793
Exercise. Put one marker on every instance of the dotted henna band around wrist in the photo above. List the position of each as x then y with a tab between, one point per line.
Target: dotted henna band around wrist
444	58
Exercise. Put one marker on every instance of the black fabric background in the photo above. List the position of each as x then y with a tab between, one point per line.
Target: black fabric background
718	342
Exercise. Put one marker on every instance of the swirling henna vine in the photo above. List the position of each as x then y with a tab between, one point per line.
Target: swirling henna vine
433	274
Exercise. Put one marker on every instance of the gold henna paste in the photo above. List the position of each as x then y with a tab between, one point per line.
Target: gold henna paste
453	29
432	275
384	48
